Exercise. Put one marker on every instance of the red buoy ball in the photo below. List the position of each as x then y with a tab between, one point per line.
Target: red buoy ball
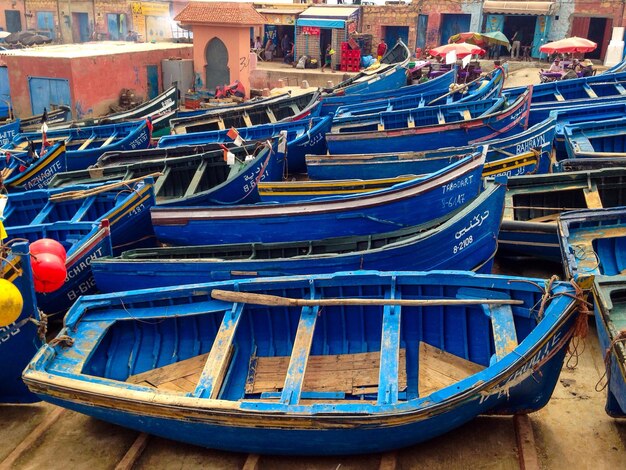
49	272
48	245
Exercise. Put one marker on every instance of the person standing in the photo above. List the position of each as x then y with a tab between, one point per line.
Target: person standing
515	39
381	49
328	57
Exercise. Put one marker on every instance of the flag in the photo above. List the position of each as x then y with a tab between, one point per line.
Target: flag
8	156
234	136
229	157
44	116
44	139
451	57
150	126
466	60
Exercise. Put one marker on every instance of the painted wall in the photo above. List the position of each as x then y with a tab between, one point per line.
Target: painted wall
236	40
14	5
95	82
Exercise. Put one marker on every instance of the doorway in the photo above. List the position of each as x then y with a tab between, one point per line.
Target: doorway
600	30
80	27
524	25
326	38
394	33
13	21
216	70
153	80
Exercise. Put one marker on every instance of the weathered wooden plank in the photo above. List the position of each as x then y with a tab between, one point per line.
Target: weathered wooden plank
438	369
32	439
389	350
388	461
592	198
197	178
86	143
504	335
158	376
219	357
526	447
299	356
132	455
252	462
349	373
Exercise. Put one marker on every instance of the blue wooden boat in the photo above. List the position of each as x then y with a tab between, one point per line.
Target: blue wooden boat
423	129
198	179
462	240
507	156
604	139
82	147
216	358
8	131
403	205
160	109
306	136
610	315
592	244
534	202
619	67
282	108
89	222
572	116
53	117
439	85
20	340
488	87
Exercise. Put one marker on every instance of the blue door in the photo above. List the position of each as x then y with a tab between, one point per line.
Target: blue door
393	33
452	24
46	92
5	94
45	22
153	81
541	34
422	26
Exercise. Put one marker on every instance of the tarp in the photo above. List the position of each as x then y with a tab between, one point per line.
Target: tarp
520	8
321	22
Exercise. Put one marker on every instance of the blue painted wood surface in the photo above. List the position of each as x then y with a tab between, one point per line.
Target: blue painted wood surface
405	204
20	340
145	332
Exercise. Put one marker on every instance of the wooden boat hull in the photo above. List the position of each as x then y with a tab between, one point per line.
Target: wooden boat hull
160	109
403	205
306	136
534	202
297	418
20	340
610	319
40	173
132	136
491	88
55	116
604	139
8	132
469	237
500	124
390	165
592	244
440	85
283	108
127	225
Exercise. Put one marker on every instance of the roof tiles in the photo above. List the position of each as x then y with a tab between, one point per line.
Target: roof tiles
220	13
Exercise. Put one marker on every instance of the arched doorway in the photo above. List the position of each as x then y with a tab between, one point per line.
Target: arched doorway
216	69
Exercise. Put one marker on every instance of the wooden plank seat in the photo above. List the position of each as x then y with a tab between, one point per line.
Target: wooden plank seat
181	376
355	374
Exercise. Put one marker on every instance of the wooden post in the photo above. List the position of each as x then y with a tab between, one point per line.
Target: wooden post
526	447
133	454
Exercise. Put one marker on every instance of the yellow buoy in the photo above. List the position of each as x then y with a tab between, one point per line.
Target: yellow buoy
11	303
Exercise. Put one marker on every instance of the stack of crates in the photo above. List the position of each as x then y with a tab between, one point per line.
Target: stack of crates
350	58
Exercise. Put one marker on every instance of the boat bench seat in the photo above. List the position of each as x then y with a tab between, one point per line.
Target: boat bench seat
502	323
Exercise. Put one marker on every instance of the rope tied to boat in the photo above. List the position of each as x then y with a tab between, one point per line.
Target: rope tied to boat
42	325
606	377
64	341
580	328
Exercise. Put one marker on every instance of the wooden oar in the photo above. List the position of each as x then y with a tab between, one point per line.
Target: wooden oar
465	85
276	301
81	194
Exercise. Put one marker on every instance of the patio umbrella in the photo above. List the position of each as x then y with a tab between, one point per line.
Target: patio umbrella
496	37
469	37
573	44
462	49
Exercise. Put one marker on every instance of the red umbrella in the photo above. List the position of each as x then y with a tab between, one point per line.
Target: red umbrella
462	49
573	44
